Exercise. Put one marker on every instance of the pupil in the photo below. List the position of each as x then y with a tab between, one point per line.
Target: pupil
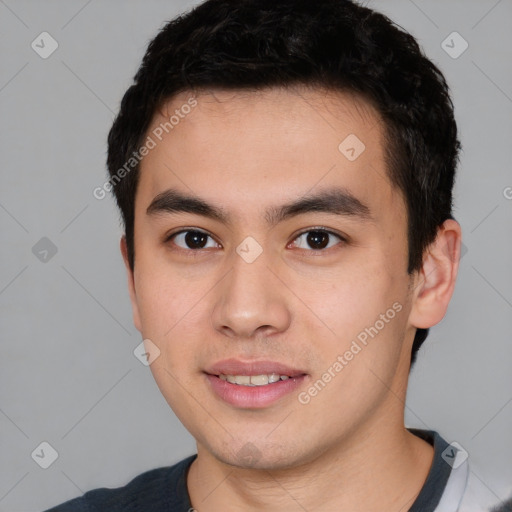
195	239
318	239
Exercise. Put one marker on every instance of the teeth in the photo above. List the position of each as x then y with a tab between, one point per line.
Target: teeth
253	380
260	380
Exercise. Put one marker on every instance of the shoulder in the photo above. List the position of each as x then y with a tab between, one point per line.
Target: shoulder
455	481
465	490
151	490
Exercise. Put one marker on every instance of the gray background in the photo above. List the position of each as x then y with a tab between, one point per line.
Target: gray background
68	373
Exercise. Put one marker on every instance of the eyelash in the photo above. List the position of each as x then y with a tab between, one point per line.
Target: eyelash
196	252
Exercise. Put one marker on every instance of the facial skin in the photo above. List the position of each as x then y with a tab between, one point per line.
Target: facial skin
245	153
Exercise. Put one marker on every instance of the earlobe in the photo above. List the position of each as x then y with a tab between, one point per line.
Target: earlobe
435	281
131	284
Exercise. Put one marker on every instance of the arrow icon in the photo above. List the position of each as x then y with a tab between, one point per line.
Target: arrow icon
450	454
146	352
44	455
454	45
454	455
44	250
249	249
249	454
351	147
44	45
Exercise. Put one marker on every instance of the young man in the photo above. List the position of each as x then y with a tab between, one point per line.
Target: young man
284	172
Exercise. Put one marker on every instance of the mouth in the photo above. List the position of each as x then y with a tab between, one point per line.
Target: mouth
253	385
253	380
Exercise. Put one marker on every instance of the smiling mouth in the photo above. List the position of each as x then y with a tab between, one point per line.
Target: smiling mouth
253	385
253	380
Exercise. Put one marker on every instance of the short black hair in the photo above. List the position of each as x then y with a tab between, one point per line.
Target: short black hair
333	44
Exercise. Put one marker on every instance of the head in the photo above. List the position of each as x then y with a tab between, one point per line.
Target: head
316	137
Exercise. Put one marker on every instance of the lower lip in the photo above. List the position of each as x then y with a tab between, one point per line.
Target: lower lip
253	397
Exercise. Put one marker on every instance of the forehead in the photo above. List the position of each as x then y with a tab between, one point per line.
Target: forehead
243	147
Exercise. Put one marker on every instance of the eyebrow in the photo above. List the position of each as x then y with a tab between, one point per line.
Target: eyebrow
337	201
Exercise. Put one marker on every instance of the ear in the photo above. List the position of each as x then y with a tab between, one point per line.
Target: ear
435	281
131	285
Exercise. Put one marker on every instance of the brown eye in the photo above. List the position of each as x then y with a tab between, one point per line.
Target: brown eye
193	239
317	239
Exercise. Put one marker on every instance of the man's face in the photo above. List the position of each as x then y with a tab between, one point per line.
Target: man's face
294	273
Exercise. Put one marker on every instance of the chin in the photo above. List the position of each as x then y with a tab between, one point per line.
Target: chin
261	456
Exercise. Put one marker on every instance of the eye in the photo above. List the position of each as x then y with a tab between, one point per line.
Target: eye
317	239
193	239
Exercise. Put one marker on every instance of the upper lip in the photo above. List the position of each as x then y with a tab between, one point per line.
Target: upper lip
238	367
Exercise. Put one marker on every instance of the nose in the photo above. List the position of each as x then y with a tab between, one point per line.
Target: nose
251	301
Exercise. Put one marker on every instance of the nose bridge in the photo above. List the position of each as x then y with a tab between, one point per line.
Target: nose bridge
250	298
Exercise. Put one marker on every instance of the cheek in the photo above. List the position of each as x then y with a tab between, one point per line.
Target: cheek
350	300
169	319
358	366
363	317
165	295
